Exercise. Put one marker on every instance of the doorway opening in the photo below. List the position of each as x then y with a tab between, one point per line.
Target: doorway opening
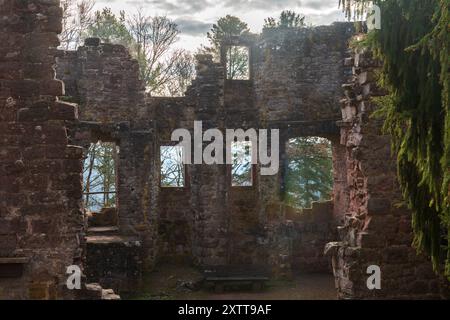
309	171
100	180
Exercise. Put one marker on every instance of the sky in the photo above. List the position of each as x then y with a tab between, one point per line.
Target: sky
195	17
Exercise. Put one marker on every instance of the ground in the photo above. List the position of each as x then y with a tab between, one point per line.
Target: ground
172	282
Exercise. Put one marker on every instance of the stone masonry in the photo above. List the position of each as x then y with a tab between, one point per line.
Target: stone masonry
208	222
297	79
377	229
41	221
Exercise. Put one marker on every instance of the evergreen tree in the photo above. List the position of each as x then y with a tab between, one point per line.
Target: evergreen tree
110	28
224	30
287	19
309	175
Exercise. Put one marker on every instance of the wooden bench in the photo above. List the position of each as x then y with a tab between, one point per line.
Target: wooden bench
221	276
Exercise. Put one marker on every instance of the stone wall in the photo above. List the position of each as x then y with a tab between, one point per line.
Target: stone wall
295	85
209	184
114	261
104	80
298	72
207	222
41	222
377	229
297	238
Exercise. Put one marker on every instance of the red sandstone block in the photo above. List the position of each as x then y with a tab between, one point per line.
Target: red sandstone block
54	134
367	240
33	114
12	128
41	104
11	70
12	226
64	111
8	183
46	197
8	115
63	152
52	88
45	167
21	88
53	22
33	152
41	209
34	182
42	226
9	243
379	206
55	152
74	152
73	165
12	50
39	55
8	140
70	183
41	39
12	199
75	193
40	71
10	154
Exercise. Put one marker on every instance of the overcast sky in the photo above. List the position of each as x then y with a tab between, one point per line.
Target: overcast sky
195	17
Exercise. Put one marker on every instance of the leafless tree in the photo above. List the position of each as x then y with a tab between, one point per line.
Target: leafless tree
77	17
241	170
182	74
154	38
172	167
99	175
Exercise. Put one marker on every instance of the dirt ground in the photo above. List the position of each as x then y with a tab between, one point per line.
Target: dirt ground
169	282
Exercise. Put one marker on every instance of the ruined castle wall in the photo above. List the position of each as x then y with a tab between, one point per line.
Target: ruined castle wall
297	238
209	183
298	72
295	85
297	75
175	213
377	231
104	80
208	220
41	222
246	226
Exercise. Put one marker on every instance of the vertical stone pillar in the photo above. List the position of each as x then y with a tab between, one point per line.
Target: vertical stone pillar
41	222
209	182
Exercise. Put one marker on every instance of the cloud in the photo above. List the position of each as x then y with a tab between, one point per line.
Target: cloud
194	17
174	7
319	4
196	7
192	27
325	18
260	4
281	4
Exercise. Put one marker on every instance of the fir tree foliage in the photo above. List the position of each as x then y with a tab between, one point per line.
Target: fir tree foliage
309	176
